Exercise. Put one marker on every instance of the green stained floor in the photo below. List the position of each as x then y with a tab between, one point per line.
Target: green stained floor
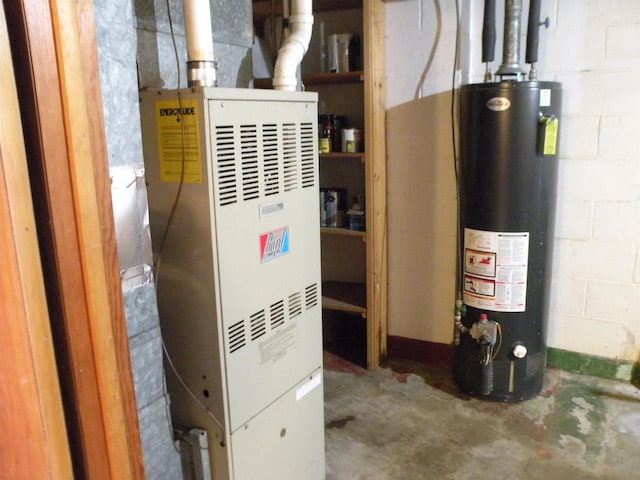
408	421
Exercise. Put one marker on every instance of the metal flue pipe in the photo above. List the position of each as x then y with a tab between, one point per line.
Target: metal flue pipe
511	43
201	65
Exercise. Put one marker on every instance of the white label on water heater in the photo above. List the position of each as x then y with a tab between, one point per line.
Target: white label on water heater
545	97
495	270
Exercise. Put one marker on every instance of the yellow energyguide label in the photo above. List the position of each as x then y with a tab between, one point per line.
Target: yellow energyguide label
550	136
179	141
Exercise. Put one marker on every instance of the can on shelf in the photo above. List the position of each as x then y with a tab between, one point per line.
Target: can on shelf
351	140
332	207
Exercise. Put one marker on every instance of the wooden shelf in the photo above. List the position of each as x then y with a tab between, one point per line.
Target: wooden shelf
343	231
262	8
359	155
345	297
317	79
361	96
333	78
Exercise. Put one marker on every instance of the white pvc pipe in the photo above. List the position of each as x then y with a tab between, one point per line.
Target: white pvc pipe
295	46
200	57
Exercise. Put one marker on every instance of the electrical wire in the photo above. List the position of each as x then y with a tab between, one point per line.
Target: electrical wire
434	48
456	159
165	235
499	329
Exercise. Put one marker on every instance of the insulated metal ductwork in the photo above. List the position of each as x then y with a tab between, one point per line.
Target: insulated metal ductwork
295	46
201	65
511	40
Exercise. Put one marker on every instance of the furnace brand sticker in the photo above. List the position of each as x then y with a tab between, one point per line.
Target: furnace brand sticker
274	244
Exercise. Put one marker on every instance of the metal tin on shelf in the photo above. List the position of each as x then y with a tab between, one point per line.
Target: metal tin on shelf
351	140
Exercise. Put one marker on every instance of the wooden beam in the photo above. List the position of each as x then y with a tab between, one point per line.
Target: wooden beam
88	215
54	44
39	87
91	70
33	443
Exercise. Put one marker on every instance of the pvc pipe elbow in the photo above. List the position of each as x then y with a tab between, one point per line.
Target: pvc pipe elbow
295	46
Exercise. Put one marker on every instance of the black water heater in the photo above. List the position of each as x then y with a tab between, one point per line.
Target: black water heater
507	183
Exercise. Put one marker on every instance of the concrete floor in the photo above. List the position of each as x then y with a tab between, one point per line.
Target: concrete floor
407	421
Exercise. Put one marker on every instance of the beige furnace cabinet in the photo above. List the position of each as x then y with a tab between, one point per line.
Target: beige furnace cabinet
239	290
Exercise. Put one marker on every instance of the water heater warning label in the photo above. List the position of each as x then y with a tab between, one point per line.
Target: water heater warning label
274	244
495	270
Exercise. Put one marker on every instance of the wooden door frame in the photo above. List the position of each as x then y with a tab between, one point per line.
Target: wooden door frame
55	57
33	443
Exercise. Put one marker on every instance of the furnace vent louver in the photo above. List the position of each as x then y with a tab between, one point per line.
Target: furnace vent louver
295	304
277	316
249	155
236	336
270	154
289	156
276	313
308	169
226	164
271	158
311	296
258	325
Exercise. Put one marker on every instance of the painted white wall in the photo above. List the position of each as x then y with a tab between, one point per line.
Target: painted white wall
593	48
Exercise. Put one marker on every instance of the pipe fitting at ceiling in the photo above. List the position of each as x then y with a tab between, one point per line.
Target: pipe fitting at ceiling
201	65
295	46
511	42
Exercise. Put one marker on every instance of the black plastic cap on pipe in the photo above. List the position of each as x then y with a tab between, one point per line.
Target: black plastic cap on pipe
489	31
533	32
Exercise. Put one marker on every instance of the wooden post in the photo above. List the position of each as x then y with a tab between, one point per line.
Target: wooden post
33	442
56	62
376	180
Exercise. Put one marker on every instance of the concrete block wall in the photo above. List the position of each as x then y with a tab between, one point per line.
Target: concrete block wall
596	295
593	48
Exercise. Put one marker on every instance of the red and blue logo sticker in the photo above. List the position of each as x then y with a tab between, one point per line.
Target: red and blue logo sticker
274	244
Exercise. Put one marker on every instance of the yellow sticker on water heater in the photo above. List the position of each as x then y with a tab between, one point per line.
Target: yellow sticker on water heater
179	141
550	136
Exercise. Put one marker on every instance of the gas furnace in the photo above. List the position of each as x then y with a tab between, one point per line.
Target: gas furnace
239	273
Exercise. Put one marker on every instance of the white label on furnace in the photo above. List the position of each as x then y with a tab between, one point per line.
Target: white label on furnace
495	270
278	345
304	389
545	97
